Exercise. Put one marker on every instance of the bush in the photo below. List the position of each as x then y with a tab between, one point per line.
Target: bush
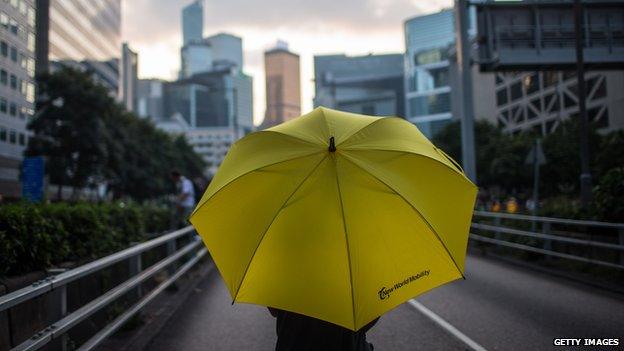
38	236
609	196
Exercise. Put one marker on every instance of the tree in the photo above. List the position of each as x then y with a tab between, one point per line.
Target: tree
499	156
91	138
563	167
72	135
608	195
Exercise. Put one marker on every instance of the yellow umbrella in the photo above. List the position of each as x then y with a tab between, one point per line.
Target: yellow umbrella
337	216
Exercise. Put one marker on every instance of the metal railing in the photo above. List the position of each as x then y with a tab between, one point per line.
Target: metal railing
57	330
548	235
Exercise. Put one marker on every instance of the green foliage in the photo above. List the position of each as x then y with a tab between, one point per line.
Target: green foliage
609	196
37	236
563	167
501	164
90	138
499	156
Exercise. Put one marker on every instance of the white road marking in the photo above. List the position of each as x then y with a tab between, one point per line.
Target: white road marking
446	326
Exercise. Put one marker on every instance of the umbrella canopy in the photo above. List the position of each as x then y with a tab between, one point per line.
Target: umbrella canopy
337	216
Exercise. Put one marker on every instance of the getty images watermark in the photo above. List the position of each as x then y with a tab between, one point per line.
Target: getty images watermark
586	342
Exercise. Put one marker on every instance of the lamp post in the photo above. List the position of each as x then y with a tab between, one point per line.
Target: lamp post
586	178
467	116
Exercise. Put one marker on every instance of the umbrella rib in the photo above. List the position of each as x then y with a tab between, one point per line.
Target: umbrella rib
344	225
418	212
271	223
410	153
246	173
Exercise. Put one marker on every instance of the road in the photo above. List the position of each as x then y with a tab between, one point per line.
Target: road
499	307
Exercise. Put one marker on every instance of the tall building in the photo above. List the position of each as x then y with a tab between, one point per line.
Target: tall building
212	109
283	85
221	98
428	93
129	79
150	99
196	57
371	84
86	34
17	89
227	50
193	22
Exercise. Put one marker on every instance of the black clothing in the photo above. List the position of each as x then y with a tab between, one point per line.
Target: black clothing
296	332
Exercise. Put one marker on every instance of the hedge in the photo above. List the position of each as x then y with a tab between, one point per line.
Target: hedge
39	236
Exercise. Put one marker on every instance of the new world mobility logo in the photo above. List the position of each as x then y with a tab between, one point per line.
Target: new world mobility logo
384	293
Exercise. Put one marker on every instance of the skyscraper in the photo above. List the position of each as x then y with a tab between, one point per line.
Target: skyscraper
227	50
283	86
370	84
17	89
428	93
193	22
82	34
196	57
129	79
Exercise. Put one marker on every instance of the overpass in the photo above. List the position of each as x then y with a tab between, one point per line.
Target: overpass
500	306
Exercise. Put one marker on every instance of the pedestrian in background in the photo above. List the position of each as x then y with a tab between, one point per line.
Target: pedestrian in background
184	200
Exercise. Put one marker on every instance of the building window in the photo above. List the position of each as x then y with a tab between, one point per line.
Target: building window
30	92
13	82
550	78
13	26
4	48
12	136
31	42
501	97
3	105
23	8
22	139
31	17
4	20
13	54
516	91
13	109
3	134
531	83
4	77
431	104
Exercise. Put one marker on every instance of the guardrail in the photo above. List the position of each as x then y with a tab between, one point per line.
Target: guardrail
58	329
548	236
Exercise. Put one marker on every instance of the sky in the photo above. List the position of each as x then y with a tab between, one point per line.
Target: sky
353	27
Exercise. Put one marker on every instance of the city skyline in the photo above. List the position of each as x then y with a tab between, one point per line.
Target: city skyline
324	30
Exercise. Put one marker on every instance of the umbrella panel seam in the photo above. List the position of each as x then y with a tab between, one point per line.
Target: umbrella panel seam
271	224
248	172
416	210
410	153
344	225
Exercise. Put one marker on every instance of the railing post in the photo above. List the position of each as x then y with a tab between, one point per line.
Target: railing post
63	298
621	235
135	266
171	249
497	223
547	245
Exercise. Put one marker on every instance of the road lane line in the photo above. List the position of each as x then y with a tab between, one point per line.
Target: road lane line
446	326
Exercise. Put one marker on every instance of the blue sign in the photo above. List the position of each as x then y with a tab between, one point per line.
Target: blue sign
33	169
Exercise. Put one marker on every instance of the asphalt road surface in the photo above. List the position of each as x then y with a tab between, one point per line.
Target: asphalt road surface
498	307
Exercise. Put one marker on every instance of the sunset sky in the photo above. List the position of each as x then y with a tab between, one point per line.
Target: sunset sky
355	27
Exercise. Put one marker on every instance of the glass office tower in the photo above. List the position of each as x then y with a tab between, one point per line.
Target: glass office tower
82	33
17	89
428	93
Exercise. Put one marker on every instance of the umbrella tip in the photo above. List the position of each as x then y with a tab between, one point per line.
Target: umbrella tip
332	145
